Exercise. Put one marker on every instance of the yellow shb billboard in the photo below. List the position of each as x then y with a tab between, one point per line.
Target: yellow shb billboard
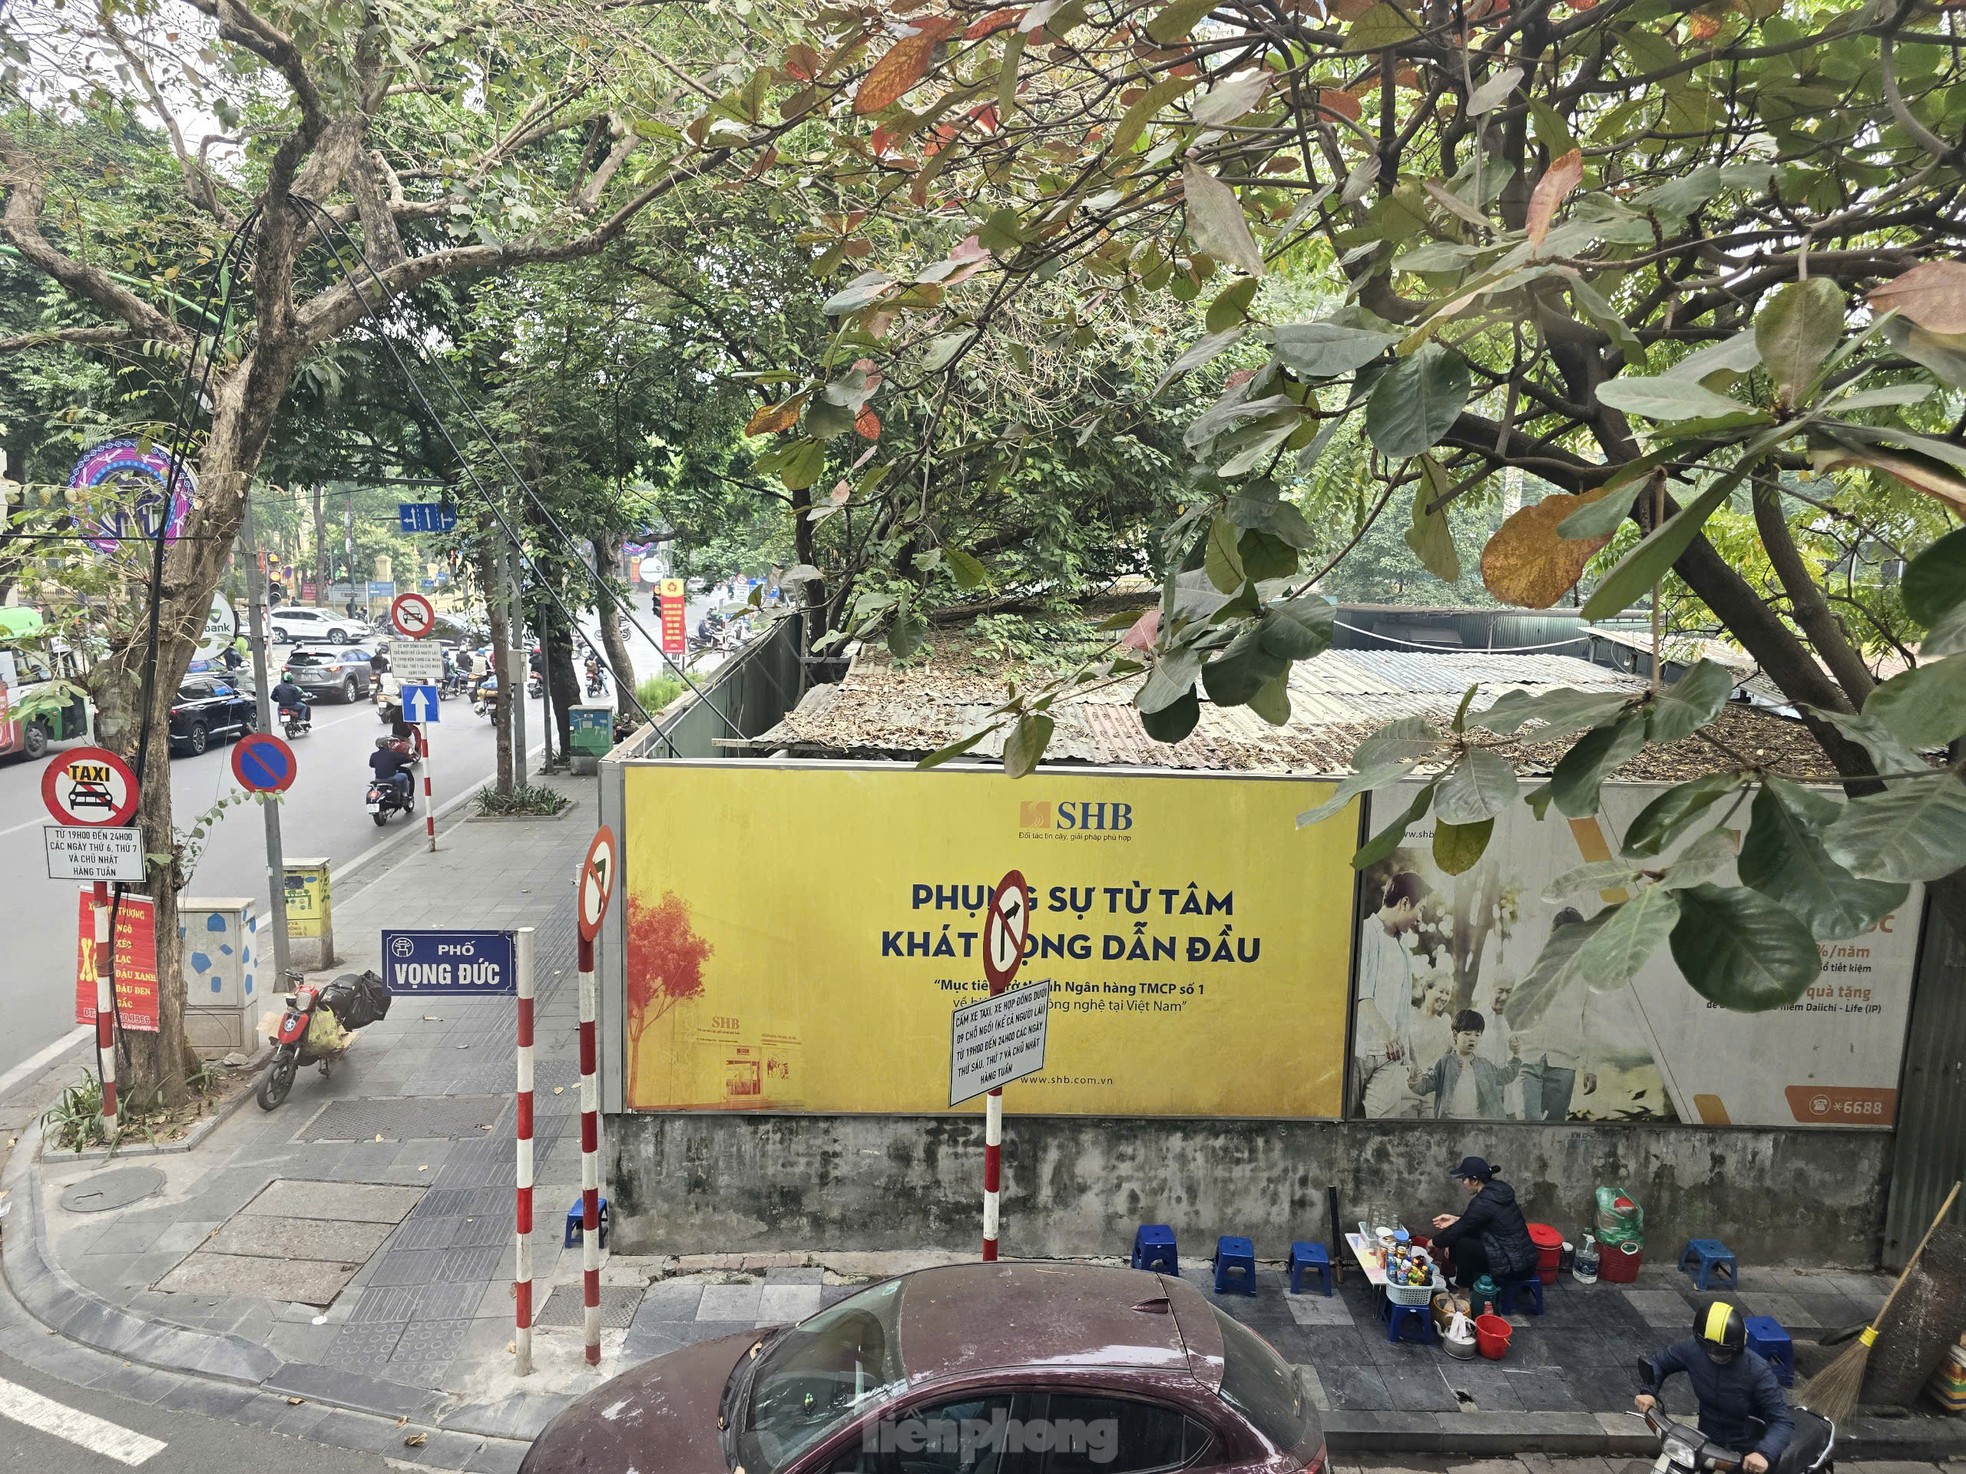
797	937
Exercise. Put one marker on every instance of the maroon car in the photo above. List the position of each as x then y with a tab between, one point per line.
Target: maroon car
973	1369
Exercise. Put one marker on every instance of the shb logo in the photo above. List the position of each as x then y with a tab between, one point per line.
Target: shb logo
1110	818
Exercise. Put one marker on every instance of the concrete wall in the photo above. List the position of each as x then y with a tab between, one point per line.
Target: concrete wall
1076	1186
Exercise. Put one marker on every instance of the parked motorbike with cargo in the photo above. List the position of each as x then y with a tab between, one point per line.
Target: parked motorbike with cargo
317	1027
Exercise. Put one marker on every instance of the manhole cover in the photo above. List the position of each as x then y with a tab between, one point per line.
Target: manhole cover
413	1118
117	1189
563	1307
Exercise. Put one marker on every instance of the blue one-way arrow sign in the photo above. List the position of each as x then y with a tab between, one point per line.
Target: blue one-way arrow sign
425	517
420	704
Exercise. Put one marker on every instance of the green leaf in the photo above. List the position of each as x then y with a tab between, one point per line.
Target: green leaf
1324	350
1925	706
1796	330
1178	19
1700	859
1598	875
1231	98
1783	858
968	572
1238	673
906	632
1379	28
1478	787
943	349
1947	635
1560	712
825	420
1388	839
1299	628
803	464
1689	703
1459	847
1265	557
1912	831
942	755
1408	740
1175	720
1205	349
1172	677
1889	756
1417	401
1628	935
1673	812
1232	305
1216	222
1732	356
1666	399
1601	518
1740	950
1272	702
1460	722
1935	580
1431	539
1026	743
1221	560
1368	780
1597	755
1556	968
1145	109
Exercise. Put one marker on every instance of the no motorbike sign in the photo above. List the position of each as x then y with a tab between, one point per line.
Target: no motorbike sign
89	785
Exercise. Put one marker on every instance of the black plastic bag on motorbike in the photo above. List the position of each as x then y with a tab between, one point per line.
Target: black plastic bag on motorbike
357	1001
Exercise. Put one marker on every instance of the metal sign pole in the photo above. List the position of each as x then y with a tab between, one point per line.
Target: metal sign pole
105	1011
522	1273
276	866
429	803
590	1160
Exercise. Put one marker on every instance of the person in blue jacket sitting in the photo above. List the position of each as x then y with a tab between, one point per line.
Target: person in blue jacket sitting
1733	1384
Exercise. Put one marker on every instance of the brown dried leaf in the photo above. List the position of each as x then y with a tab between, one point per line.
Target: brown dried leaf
1141	634
1932	295
1338	103
867	425
905	63
1528	563
1923	475
773	418
1551	191
996	20
416	1440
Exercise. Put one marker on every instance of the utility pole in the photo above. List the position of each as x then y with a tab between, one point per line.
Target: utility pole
521	666
269	807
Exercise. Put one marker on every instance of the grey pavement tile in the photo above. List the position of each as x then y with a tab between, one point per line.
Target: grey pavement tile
730	1302
362	1348
1419	1387
1545	1390
442	1450
785	1303
1665	1308
182	1238
296	1198
298	1343
1319	1310
134	1237
1355	1388
697	1331
496	1456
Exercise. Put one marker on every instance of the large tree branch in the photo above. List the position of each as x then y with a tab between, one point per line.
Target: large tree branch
104	336
1811	609
20	227
198	187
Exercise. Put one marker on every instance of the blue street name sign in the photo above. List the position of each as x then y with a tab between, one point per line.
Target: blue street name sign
460	964
426	517
420	704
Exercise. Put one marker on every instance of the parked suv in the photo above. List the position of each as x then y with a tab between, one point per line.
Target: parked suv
297	624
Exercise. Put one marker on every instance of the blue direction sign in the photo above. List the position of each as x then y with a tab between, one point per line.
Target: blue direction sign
426	517
419	703
461	964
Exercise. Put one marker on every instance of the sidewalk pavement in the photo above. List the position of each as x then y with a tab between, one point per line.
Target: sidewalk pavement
345	1262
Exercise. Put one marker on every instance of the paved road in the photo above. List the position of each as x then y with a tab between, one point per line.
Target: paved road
52	1427
322	815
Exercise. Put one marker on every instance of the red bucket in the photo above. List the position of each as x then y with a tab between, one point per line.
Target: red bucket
1619	1264
1549	1251
1492	1336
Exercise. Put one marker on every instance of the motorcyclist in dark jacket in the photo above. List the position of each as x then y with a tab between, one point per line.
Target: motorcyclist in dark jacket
1732	1383
391	764
288	696
1490	1235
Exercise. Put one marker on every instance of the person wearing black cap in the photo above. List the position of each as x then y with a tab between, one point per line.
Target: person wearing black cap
1490	1235
1736	1388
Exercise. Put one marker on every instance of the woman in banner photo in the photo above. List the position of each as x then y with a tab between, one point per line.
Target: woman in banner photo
1489	1236
1383	1017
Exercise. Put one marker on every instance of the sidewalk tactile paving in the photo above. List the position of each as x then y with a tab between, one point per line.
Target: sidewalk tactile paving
408	1118
358	1347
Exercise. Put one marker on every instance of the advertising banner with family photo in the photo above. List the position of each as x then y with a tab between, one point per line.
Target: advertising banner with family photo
1444	1028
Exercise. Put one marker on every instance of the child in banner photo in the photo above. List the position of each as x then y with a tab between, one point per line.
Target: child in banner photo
1464	1084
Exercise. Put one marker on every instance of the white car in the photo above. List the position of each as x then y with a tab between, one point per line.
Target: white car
297	624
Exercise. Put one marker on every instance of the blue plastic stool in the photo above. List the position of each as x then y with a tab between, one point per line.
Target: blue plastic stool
1710	1255
1309	1258
1233	1253
576	1222
1505	1302
1402	1318
1766	1338
1153	1248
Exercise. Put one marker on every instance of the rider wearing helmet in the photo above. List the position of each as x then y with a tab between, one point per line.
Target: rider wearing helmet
1732	1383
391	763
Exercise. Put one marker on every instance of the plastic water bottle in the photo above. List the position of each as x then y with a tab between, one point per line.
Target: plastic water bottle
1584	1267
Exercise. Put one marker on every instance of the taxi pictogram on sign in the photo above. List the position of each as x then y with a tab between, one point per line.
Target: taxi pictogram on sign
89	785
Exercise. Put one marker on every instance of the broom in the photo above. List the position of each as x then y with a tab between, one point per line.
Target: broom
1833	1391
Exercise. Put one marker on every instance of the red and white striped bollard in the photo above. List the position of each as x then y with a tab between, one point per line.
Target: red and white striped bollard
105	1010
522	1270
429	803
590	1161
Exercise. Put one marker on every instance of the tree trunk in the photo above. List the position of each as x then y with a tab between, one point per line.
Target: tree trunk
607	560
561	677
320	550
491	577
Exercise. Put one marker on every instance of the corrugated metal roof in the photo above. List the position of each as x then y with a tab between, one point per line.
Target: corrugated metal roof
884	710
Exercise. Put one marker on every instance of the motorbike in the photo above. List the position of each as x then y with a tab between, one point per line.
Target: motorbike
353	1000
535	685
385	798
296	721
597	683
1684	1449
485	703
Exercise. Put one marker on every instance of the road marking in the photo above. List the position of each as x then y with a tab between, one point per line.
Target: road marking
77	1427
